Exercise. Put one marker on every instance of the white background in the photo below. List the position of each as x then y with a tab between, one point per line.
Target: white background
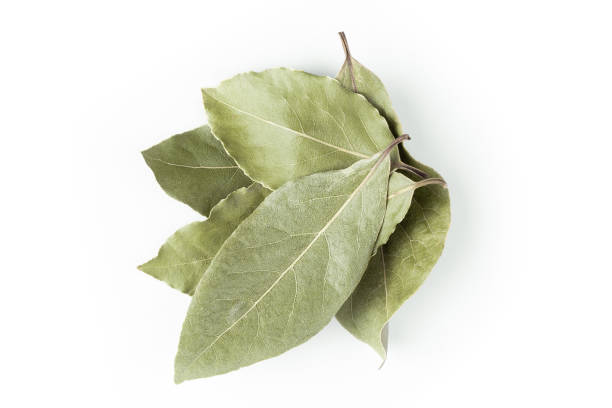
510	101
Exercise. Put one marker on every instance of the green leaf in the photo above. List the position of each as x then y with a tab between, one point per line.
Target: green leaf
398	203
281	124
186	255
358	78
194	168
399	267
285	271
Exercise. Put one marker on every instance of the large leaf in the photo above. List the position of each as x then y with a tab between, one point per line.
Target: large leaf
399	267
285	271
358	78
187	253
194	168
282	124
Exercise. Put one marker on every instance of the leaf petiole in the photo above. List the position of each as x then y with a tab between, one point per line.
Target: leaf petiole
349	59
418	184
414	170
397	141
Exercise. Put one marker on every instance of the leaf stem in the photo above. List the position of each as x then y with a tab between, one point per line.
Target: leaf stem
414	170
348	59
395	143
403	166
418	184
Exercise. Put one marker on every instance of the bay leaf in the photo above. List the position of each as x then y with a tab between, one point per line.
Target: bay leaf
399	267
356	77
285	271
193	168
185	256
398	203
282	124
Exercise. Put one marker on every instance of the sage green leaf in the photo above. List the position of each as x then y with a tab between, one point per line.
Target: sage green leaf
187	253
398	203
358	78
282	124
399	267
285	271
194	168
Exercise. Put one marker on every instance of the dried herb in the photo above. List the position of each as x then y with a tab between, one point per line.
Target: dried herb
311	213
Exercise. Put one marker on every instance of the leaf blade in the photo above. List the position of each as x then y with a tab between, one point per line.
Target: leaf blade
278	251
398	203
193	168
283	124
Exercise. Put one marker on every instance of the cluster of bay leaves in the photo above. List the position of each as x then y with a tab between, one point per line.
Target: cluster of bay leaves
313	211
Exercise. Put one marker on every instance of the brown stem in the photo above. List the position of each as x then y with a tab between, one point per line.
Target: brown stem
395	143
387	150
348	59
411	169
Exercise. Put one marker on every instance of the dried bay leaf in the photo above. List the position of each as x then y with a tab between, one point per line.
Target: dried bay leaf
283	124
193	167
356	77
266	274
285	271
398	203
185	256
399	267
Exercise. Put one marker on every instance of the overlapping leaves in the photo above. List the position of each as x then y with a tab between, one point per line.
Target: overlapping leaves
306	219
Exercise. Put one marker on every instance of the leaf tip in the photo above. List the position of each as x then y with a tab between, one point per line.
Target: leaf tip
383	362
178	379
180	370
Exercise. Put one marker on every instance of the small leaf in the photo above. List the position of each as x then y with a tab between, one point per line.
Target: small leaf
358	78
399	267
186	255
281	124
285	271
194	168
398	203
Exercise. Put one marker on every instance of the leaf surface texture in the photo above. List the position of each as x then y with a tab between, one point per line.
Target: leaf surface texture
400	267
356	77
282	124
285	271
185	256
193	168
